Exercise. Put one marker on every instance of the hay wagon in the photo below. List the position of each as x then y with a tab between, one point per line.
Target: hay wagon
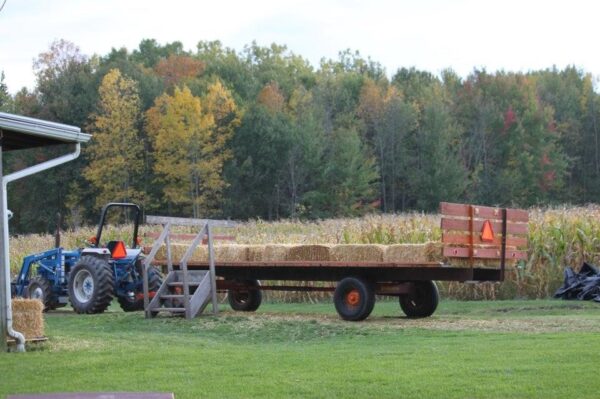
477	244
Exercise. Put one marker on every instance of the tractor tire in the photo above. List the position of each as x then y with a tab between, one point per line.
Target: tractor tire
91	285
423	302
245	300
132	304
40	288
354	299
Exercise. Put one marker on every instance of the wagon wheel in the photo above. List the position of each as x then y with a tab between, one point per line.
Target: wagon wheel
354	299
245	300
422	302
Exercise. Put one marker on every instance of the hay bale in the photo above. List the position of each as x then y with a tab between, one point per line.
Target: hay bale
357	253
28	317
178	250
230	253
309	252
413	253
276	252
255	253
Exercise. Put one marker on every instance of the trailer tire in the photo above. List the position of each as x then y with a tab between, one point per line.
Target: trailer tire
129	304
354	299
423	302
245	301
91	285
40	288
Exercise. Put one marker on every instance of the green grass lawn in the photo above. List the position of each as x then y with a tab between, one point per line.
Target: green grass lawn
504	349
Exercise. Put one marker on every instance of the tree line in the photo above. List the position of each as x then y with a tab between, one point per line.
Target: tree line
261	133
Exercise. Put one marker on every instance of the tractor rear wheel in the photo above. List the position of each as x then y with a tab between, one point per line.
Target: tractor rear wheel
245	300
422	302
354	298
134	302
40	288
91	285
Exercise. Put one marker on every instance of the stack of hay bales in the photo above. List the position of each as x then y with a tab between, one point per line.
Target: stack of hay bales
431	252
399	253
28	318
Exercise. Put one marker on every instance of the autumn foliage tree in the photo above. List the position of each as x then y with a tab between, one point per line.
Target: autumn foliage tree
189	136
116	153
178	68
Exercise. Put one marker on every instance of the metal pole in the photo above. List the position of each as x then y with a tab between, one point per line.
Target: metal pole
3	296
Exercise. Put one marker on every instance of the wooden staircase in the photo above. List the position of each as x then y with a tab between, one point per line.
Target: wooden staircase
183	292
171	297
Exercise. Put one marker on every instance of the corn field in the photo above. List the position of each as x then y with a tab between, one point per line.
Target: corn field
558	237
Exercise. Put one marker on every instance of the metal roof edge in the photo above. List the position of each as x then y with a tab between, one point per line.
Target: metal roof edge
41	128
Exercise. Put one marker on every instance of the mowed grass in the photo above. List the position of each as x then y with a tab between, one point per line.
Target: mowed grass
502	349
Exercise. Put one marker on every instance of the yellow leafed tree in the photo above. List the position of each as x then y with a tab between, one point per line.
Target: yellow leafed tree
116	153
189	135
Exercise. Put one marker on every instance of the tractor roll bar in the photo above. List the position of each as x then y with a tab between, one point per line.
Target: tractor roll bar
137	219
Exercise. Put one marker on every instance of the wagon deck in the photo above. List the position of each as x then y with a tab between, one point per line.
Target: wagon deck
470	234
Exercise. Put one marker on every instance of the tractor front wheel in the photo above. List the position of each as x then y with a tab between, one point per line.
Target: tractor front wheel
91	285
135	301
41	289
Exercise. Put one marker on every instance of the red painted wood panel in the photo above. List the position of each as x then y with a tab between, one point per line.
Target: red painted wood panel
483	253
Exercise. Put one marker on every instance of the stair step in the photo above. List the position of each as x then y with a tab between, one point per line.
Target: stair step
180	283
172	310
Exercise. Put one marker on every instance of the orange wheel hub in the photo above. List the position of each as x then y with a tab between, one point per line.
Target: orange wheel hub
353	298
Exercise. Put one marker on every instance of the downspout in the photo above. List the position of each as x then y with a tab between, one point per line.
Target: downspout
20	338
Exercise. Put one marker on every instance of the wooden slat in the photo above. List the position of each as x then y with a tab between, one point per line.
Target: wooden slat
462	239
463	225
151	219
483	212
483	253
190	237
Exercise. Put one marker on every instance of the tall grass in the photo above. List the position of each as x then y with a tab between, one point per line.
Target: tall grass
558	237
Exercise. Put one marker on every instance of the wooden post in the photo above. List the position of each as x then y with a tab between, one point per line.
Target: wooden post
3	303
213	275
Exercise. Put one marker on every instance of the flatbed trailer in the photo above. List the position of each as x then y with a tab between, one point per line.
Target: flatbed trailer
470	234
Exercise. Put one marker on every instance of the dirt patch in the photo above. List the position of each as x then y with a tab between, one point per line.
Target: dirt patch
538	324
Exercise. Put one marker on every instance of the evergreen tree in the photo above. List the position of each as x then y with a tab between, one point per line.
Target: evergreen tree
5	97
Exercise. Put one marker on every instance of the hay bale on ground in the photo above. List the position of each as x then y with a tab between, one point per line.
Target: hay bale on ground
309	253
357	253
28	317
413	253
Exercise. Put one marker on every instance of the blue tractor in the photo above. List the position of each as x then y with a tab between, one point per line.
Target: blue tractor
89	278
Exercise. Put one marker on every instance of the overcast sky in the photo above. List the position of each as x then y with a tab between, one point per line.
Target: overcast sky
514	35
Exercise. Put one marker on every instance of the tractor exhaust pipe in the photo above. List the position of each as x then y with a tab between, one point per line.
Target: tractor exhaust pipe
57	232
